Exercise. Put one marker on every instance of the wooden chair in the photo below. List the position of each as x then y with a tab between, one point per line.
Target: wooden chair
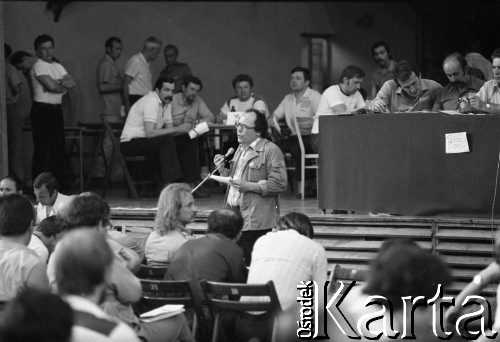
156	293
224	297
340	273
152	272
305	156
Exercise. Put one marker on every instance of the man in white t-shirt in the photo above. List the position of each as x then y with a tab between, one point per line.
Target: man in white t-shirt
50	82
341	98
150	130
138	77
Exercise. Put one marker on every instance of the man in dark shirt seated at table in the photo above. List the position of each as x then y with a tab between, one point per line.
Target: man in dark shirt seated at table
454	96
407	92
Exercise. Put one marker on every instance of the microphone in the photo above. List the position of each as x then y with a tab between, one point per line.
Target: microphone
226	156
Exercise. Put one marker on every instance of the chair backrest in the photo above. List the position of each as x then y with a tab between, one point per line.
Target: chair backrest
342	273
299	136
156	293
152	272
225	296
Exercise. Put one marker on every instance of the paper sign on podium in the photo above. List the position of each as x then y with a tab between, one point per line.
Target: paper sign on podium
233	117
456	143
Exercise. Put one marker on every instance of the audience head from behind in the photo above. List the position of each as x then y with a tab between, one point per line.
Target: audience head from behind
381	53
243	86
44	47
191	86
22	60
176	208
151	48
87	210
227	222
401	268
300	78
350	79
164	87
50	230
113	47
82	261
35	315
10	185
407	76
46	188
171	53
297	221
16	218
251	125
456	69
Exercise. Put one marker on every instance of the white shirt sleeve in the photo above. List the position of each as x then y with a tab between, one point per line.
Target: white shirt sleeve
132	67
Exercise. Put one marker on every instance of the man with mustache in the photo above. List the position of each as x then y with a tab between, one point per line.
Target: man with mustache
382	55
488	98
406	92
189	108
150	130
454	96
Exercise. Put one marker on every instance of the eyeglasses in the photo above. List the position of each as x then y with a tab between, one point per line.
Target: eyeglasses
240	125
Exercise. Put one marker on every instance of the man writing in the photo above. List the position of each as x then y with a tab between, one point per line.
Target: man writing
258	176
406	92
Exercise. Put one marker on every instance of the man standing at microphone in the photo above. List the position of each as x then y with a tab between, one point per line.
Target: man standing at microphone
258	176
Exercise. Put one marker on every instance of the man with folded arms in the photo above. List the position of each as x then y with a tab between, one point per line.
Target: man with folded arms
407	92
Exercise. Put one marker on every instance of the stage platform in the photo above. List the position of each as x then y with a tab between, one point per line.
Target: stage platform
351	240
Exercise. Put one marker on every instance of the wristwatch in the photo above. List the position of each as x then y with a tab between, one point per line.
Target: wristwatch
478	280
488	106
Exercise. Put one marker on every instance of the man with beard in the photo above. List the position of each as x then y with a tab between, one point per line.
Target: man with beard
454	96
149	130
189	108
383	57
340	98
406	92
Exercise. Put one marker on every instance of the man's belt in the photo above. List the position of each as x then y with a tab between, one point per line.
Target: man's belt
47	105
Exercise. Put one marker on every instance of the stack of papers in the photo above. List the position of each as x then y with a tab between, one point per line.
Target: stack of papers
162	312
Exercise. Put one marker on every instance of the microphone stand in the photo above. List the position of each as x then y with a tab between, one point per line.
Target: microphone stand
207	177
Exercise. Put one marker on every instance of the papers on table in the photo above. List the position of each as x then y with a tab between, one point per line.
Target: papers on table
456	143
162	312
233	117
199	129
220	179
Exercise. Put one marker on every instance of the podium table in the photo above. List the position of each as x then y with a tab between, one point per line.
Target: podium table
396	163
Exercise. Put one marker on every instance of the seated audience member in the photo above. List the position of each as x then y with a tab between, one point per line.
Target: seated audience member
400	269
287	257
341	98
10	185
454	96
124	289
50	200
244	100
49	231
20	267
300	105
81	264
150	130
176	209
382	55
35	315
406	92
487	276
138	81
488	98
174	69
215	256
